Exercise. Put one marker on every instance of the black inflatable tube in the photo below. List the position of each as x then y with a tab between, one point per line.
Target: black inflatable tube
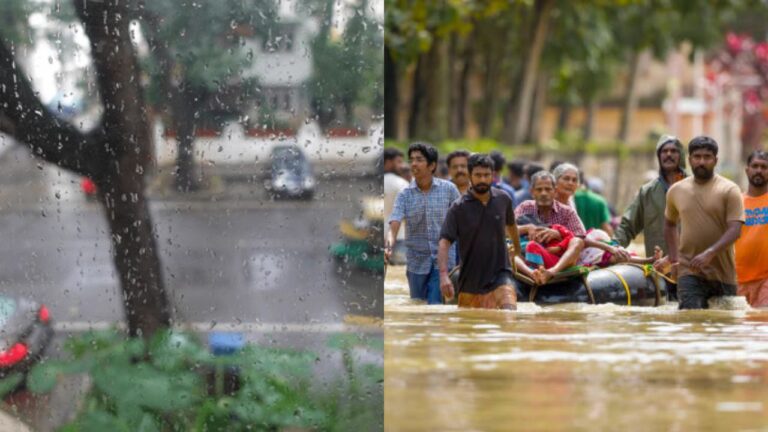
621	284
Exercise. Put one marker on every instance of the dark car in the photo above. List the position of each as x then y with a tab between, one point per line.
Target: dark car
25	332
291	174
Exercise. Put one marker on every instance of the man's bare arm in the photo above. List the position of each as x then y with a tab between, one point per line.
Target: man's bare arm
389	242
672	238
446	287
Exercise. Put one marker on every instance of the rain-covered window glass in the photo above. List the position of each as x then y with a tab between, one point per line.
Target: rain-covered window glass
185	208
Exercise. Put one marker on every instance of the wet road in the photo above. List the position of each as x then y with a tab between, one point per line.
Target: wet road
244	259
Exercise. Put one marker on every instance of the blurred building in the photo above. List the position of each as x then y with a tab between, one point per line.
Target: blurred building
282	64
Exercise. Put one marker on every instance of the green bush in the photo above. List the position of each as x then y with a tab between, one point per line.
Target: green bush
162	385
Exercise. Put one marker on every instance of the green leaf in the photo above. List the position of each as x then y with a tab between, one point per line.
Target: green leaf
10	383
142	385
100	421
43	377
345	341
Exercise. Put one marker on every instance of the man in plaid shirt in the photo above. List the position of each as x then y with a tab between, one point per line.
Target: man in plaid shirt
423	206
545	208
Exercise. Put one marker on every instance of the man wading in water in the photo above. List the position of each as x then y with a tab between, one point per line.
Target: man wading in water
422	205
480	220
710	210
752	246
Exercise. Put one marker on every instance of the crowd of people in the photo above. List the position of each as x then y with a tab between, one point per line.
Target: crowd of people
699	229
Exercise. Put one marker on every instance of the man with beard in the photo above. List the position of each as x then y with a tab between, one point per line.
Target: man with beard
480	221
645	213
457	169
710	211
422	205
752	246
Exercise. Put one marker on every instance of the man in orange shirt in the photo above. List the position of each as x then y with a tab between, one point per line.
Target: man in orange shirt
752	246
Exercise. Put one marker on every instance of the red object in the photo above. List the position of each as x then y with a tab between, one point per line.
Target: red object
344	132
43	314
88	186
761	51
259	132
550	259
13	355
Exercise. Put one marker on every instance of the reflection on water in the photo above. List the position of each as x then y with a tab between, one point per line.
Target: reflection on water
573	367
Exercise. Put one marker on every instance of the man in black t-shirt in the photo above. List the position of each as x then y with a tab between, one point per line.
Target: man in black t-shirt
480	221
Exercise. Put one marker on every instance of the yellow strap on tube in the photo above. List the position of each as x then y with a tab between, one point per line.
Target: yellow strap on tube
623	282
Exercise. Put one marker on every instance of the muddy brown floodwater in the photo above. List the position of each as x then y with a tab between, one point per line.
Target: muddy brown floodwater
573	367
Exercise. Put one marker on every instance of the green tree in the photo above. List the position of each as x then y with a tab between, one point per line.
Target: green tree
196	75
347	72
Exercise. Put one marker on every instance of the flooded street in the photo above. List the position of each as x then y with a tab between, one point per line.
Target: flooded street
573	367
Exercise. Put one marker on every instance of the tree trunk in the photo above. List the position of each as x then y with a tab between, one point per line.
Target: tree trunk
180	105
522	109
589	120
453	85
630	98
539	105
564	116
435	119
122	189
490	92
187	176
460	109
491	86
391	98
116	155
416	99
630	105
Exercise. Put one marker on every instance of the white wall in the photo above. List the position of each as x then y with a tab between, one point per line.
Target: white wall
234	147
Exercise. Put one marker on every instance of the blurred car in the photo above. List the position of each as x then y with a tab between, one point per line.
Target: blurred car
25	333
362	244
291	173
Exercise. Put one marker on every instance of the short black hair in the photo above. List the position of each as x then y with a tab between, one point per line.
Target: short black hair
555	164
455	154
480	160
532	168
702	143
498	160
516	167
392	153
426	149
757	154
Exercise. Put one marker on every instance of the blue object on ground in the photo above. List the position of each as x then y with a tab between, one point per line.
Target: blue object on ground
534	258
225	343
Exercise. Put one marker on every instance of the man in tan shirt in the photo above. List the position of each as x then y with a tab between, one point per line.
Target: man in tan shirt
710	211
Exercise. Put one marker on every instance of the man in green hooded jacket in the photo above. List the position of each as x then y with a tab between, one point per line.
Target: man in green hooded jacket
646	212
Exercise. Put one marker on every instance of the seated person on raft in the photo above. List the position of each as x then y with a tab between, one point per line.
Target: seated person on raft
556	235
602	251
549	212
